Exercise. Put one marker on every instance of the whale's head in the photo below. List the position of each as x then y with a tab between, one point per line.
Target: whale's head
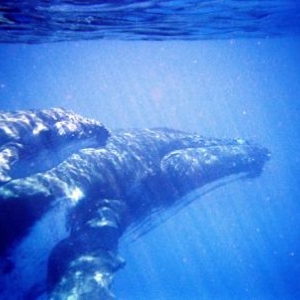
192	168
192	163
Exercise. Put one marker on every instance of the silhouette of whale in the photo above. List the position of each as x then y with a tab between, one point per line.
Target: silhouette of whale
97	195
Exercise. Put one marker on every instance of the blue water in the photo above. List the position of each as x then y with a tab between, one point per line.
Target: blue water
241	241
39	21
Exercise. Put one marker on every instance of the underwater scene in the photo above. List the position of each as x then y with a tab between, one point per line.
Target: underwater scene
149	150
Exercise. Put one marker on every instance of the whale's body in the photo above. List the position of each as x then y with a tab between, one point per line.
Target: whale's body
78	211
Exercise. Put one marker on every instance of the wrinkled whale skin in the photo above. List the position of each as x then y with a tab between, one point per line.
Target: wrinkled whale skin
33	141
104	191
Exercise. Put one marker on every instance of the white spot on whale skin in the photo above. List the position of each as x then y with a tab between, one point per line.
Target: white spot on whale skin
99	278
39	128
240	141
75	195
7	130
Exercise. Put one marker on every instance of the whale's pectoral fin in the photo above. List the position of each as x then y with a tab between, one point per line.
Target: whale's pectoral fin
81	273
84	263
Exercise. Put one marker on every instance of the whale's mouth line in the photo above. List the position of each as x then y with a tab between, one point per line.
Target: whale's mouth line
162	215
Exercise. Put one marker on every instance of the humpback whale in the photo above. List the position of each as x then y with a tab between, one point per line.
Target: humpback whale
35	140
80	209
